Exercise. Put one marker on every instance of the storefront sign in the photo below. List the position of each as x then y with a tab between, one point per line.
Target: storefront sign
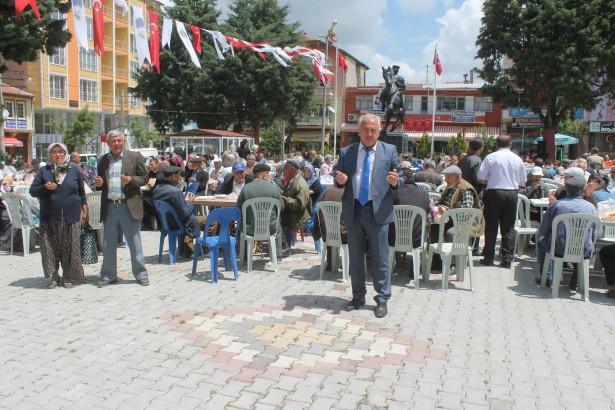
463	116
22	124
534	122
606	127
10	124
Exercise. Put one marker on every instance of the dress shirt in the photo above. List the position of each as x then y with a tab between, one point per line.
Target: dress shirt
502	169
238	186
357	176
115	177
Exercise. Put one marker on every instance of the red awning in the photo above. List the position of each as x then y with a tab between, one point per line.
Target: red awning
11	142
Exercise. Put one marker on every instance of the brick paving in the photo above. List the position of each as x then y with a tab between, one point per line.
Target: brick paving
281	339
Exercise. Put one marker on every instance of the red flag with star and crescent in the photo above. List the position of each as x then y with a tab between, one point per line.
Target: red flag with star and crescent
98	23
196	32
437	63
154	39
20	6
342	62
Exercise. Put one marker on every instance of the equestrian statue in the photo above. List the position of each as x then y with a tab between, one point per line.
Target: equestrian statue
391	97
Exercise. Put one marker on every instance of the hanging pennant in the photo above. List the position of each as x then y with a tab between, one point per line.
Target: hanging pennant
154	40
81	25
221	44
20	5
167	30
184	37
140	35
196	34
98	24
122	4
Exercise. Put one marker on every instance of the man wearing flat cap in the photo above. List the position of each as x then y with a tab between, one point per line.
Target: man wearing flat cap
168	192
234	183
196	174
574	181
297	200
262	188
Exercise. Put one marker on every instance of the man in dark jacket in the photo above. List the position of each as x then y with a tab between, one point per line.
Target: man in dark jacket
168	192
429	174
196	174
235	181
469	165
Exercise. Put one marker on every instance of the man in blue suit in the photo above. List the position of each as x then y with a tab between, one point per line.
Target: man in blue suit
369	170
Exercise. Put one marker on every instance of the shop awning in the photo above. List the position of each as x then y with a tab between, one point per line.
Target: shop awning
11	142
444	132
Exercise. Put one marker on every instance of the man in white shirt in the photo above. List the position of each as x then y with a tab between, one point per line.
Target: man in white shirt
502	171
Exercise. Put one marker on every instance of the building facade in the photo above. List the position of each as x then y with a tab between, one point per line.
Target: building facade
71	78
18	122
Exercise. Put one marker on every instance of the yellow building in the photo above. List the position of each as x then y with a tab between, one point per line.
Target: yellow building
72	78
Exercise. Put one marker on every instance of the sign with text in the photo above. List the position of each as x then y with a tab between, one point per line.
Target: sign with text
596	126
463	116
525	122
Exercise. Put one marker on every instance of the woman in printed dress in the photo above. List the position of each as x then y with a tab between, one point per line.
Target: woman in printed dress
60	189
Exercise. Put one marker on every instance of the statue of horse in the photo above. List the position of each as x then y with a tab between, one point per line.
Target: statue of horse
391	100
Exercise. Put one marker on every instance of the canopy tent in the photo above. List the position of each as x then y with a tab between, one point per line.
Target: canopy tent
561	139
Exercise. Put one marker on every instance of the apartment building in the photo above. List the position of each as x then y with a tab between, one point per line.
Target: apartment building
70	78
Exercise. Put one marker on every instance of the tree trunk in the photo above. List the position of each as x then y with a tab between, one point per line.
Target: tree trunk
548	135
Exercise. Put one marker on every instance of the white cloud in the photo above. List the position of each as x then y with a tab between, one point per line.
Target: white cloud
416	6
456	41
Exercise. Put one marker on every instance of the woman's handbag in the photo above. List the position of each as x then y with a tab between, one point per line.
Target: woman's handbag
89	253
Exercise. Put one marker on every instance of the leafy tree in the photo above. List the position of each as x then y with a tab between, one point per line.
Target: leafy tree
457	144
422	147
244	89
144	137
271	140
21	38
75	132
574	128
553	54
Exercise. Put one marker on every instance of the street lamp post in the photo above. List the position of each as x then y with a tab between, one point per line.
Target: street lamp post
324	90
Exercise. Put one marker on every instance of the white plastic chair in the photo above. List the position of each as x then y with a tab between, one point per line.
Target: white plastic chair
426	186
441	188
331	212
94	208
463	219
262	208
523	226
20	214
577	228
435	195
550	185
405	216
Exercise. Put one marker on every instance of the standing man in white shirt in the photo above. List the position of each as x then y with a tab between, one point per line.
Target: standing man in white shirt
502	171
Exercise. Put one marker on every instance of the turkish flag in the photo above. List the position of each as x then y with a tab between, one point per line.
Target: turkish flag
196	32
342	62
427	125
154	40
99	27
437	63
20	5
418	125
409	125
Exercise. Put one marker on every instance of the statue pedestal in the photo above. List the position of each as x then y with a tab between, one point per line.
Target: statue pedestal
399	139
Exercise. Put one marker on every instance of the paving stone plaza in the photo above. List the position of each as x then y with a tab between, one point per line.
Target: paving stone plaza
282	340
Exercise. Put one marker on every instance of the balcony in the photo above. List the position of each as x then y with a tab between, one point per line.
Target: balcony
106	70
107	99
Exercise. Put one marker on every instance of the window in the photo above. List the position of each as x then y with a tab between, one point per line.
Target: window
21	110
88	91
87	3
451	103
133	43
364	102
57	86
424	103
483	104
135	102
58	56
87	59
42	123
408	100
90	25
10	107
134	68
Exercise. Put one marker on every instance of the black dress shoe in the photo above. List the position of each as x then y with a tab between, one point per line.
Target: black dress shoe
476	252
505	265
381	309
143	282
354	304
486	262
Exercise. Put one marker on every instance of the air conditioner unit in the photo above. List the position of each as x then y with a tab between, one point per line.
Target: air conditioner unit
352	117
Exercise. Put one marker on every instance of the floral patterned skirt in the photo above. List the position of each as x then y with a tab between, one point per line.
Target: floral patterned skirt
61	246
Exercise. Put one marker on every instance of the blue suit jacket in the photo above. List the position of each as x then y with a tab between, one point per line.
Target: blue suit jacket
382	198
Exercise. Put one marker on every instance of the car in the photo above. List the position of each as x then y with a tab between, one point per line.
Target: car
85	157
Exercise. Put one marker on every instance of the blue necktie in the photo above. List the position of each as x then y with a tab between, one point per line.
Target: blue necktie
364	189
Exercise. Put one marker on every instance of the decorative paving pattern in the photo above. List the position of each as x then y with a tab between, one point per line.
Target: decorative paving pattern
271	341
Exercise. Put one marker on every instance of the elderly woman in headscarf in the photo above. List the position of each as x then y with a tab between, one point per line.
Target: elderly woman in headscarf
90	172
313	182
279	176
60	187
327	167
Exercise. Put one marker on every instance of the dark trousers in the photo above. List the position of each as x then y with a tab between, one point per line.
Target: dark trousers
500	211
607	257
